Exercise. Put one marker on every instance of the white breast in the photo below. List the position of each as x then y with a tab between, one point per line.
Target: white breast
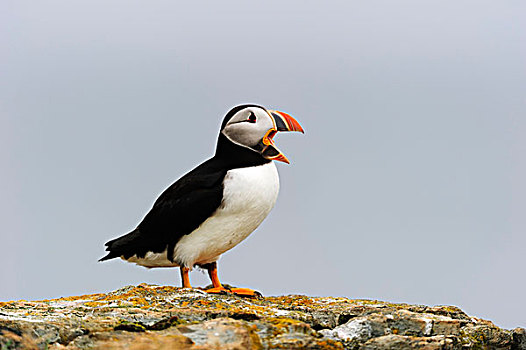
248	196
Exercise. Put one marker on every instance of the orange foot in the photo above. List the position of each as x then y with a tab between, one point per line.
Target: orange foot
241	292
245	292
218	290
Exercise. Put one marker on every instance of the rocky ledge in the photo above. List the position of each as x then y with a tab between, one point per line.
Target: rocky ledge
158	317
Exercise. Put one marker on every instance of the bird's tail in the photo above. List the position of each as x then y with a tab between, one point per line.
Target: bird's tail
119	246
110	255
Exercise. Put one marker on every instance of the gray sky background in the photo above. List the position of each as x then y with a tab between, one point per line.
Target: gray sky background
408	185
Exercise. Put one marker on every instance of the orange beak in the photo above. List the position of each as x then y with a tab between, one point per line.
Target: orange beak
285	122
282	122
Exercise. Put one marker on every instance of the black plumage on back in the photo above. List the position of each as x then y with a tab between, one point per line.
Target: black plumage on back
179	210
185	205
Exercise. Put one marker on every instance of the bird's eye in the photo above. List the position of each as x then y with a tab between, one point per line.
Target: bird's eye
251	118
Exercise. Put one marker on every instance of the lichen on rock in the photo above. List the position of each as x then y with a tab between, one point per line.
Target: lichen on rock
162	317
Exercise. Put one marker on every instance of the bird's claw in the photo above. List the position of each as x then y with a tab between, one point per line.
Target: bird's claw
241	292
247	293
218	290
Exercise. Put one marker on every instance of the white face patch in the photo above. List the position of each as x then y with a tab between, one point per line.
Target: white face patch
248	126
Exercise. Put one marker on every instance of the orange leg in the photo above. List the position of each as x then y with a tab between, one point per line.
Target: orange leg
212	272
185	278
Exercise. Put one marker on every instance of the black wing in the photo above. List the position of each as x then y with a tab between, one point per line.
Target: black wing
179	210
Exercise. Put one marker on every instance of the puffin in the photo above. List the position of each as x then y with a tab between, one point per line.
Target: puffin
215	206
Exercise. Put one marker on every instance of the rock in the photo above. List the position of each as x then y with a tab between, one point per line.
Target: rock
360	329
519	338
159	317
223	333
403	342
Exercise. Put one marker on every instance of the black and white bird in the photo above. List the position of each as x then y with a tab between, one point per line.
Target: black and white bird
216	205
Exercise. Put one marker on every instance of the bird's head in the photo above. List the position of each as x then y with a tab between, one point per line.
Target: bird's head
254	127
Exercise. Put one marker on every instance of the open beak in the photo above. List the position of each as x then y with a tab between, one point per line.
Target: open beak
282	122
